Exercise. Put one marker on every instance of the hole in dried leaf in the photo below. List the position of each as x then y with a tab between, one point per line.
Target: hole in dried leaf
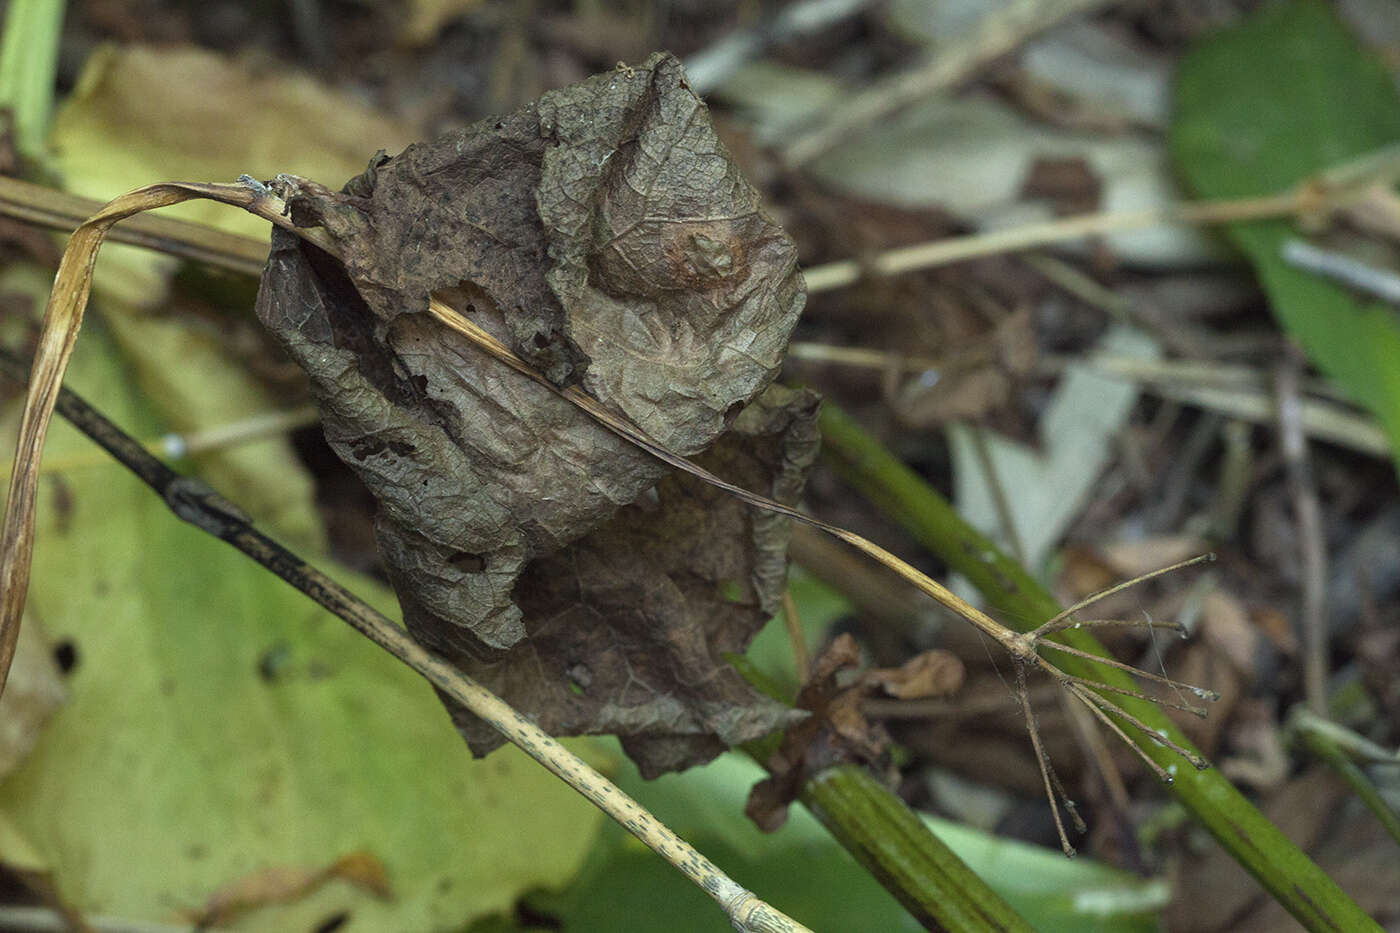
467	562
580	677
364	448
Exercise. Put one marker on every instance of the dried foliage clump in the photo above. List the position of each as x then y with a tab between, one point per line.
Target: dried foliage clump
605	236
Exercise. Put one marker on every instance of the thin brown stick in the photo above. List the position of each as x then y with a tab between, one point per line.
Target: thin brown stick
1201	692
1006	518
1200	711
1058	622
1087	697
1042	760
994	36
801	659
1094	748
1312	550
957	249
58	210
1108	706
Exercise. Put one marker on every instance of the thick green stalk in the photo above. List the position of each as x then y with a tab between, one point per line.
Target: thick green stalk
902	853
890	840
1280	866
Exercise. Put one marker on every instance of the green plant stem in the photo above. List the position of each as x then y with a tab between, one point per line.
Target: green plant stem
1319	737
895	846
1280	866
28	66
890	840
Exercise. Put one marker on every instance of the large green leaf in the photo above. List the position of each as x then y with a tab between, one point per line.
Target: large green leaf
1260	108
220	724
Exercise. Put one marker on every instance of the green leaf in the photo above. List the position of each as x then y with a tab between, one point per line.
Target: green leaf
801	870
1262	107
220	724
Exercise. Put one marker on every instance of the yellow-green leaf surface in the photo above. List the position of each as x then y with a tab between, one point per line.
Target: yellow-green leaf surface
1263	106
220	725
141	115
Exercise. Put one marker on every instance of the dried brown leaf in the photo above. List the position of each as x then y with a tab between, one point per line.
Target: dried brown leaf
836	732
606	237
933	673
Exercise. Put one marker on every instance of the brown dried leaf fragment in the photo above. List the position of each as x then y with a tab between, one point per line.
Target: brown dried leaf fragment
836	732
934	673
606	237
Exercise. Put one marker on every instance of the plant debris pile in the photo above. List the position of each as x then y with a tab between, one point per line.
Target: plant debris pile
606	236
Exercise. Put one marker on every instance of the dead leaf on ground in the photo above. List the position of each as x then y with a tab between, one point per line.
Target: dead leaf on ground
1225	626
836	732
1257	755
979	376
604	234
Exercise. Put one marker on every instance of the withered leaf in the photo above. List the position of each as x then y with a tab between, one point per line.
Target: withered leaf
605	235
927	674
836	732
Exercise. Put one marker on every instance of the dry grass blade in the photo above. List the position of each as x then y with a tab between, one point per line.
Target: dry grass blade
62	318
